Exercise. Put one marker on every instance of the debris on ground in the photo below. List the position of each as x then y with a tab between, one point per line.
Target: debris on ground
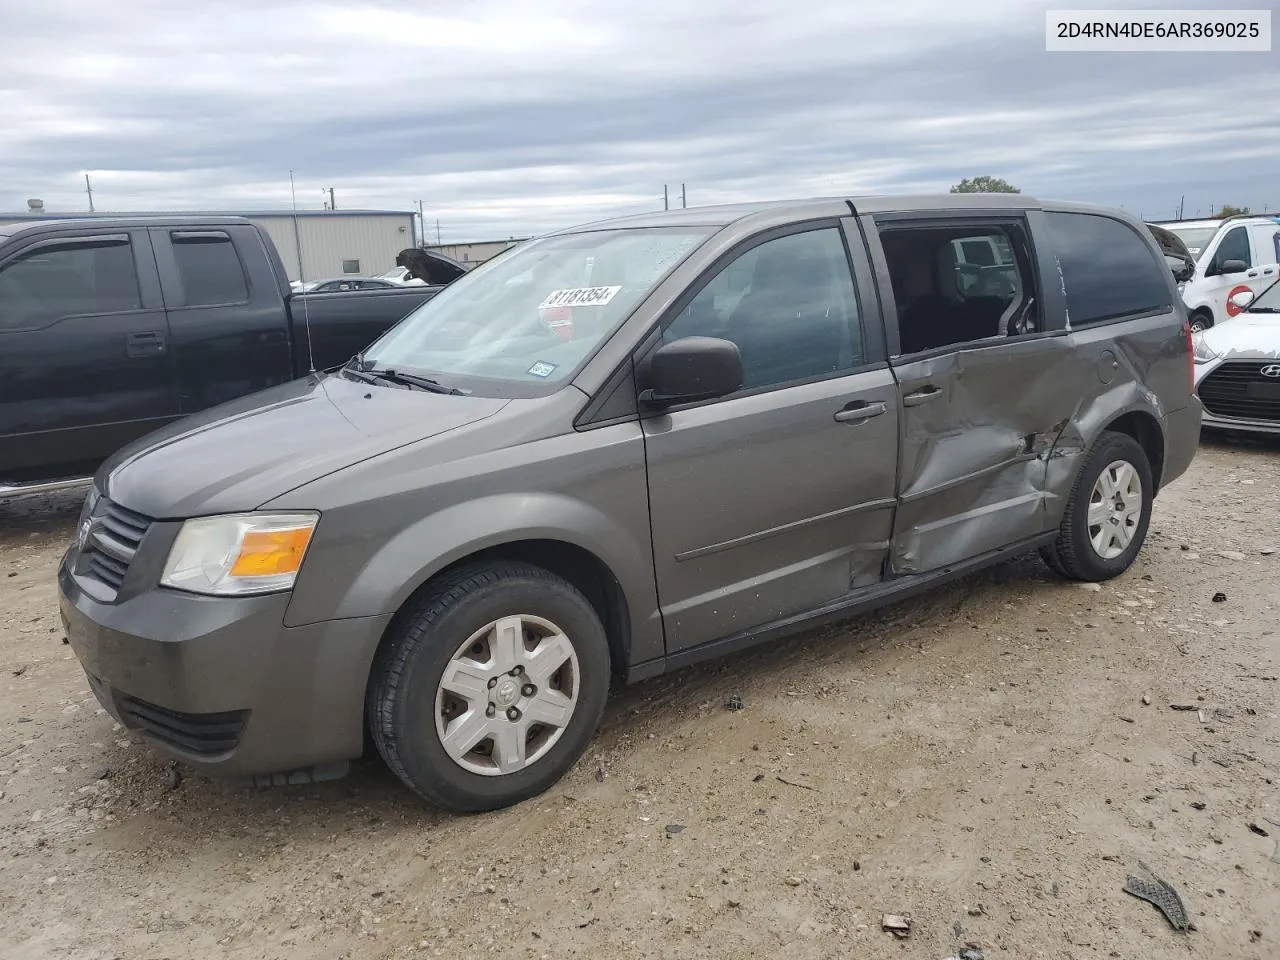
599	774
1146	699
1219	597
1255	936
734	703
971	953
757	778
897	924
174	775
19	671
796	783
1254	828
1198	805
1161	894
674	828
1183	706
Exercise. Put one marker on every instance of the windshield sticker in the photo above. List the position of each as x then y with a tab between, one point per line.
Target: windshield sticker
579	297
542	369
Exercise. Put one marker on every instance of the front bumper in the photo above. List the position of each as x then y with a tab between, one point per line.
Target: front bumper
1246	426
220	682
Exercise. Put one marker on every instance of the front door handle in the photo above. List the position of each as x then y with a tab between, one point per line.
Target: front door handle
923	395
1252	273
858	411
148	343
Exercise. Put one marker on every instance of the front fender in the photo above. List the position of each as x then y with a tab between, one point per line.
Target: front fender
381	584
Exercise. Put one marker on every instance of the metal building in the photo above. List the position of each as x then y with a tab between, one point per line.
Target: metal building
334	242
477	251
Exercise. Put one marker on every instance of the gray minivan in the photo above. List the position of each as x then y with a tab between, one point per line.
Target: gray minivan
617	450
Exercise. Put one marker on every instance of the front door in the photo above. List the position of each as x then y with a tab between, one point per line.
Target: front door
983	381
85	366
779	498
1221	284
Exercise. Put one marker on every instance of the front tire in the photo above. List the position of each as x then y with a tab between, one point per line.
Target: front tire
1200	321
489	686
1107	514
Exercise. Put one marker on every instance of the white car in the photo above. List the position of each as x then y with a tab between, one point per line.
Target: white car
1237	366
401	276
1235	255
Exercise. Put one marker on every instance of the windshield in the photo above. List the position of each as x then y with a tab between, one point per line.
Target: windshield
1268	301
1196	238
528	318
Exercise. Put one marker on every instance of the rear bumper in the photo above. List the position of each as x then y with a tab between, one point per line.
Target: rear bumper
221	683
1181	440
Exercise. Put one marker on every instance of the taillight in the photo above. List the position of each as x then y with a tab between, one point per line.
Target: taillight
1191	358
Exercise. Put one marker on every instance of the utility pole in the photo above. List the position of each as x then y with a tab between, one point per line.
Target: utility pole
1181	205
422	226
665	204
88	187
332	203
438	232
683	203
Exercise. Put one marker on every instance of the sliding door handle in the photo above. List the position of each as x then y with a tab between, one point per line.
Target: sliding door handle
923	395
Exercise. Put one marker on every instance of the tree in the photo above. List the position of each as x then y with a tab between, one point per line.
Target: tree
1230	211
984	184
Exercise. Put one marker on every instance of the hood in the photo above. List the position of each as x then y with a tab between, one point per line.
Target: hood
1176	253
239	455
433	268
1247	336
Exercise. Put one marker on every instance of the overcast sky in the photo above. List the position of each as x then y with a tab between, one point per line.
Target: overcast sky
513	116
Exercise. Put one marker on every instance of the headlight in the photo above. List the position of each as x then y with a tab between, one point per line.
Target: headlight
1200	350
239	553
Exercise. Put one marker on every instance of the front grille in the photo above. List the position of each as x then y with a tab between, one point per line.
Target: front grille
203	734
1237	389
115	533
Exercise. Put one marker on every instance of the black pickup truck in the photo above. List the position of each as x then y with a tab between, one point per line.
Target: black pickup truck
113	327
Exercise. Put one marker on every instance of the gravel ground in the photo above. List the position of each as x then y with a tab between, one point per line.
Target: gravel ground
991	760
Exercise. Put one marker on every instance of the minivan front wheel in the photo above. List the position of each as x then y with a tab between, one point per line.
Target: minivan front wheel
489	686
1107	514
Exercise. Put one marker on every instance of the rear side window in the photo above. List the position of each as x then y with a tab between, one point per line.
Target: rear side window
209	268
1107	269
68	278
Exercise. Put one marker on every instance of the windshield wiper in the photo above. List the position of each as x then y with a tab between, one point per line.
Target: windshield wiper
412	380
363	370
1262	310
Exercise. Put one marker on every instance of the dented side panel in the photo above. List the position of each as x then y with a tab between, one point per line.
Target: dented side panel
973	461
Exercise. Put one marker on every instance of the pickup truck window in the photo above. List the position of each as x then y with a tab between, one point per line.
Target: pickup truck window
65	277
527	319
209	268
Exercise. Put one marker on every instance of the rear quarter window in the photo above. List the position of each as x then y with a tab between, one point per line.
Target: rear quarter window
1108	271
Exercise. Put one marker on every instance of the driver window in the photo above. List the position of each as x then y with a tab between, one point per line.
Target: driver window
1234	246
790	306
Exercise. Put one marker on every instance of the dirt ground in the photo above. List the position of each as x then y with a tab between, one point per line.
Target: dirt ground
984	760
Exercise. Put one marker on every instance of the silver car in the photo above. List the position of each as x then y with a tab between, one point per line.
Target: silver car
1238	366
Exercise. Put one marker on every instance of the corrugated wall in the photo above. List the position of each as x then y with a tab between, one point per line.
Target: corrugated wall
329	240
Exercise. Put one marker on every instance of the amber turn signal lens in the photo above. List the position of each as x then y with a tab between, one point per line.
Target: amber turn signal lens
266	553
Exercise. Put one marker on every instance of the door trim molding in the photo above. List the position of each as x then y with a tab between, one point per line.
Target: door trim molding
749	538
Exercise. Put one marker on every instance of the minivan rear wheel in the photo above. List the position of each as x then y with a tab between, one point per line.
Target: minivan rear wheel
489	686
1107	514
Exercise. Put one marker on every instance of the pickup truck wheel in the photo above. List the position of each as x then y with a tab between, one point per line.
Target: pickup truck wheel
489	687
1105	523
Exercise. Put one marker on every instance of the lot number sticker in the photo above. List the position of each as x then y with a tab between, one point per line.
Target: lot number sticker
579	297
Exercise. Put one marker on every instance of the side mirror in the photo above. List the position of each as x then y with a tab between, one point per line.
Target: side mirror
1232	266
1242	299
692	369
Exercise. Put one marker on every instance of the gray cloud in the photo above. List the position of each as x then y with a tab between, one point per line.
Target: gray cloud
506	117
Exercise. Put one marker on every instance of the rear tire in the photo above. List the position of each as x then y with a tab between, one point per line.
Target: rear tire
489	686
1107	514
1201	320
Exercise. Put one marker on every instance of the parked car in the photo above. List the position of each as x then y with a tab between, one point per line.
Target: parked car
110	328
615	451
1238	366
344	285
1232	256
